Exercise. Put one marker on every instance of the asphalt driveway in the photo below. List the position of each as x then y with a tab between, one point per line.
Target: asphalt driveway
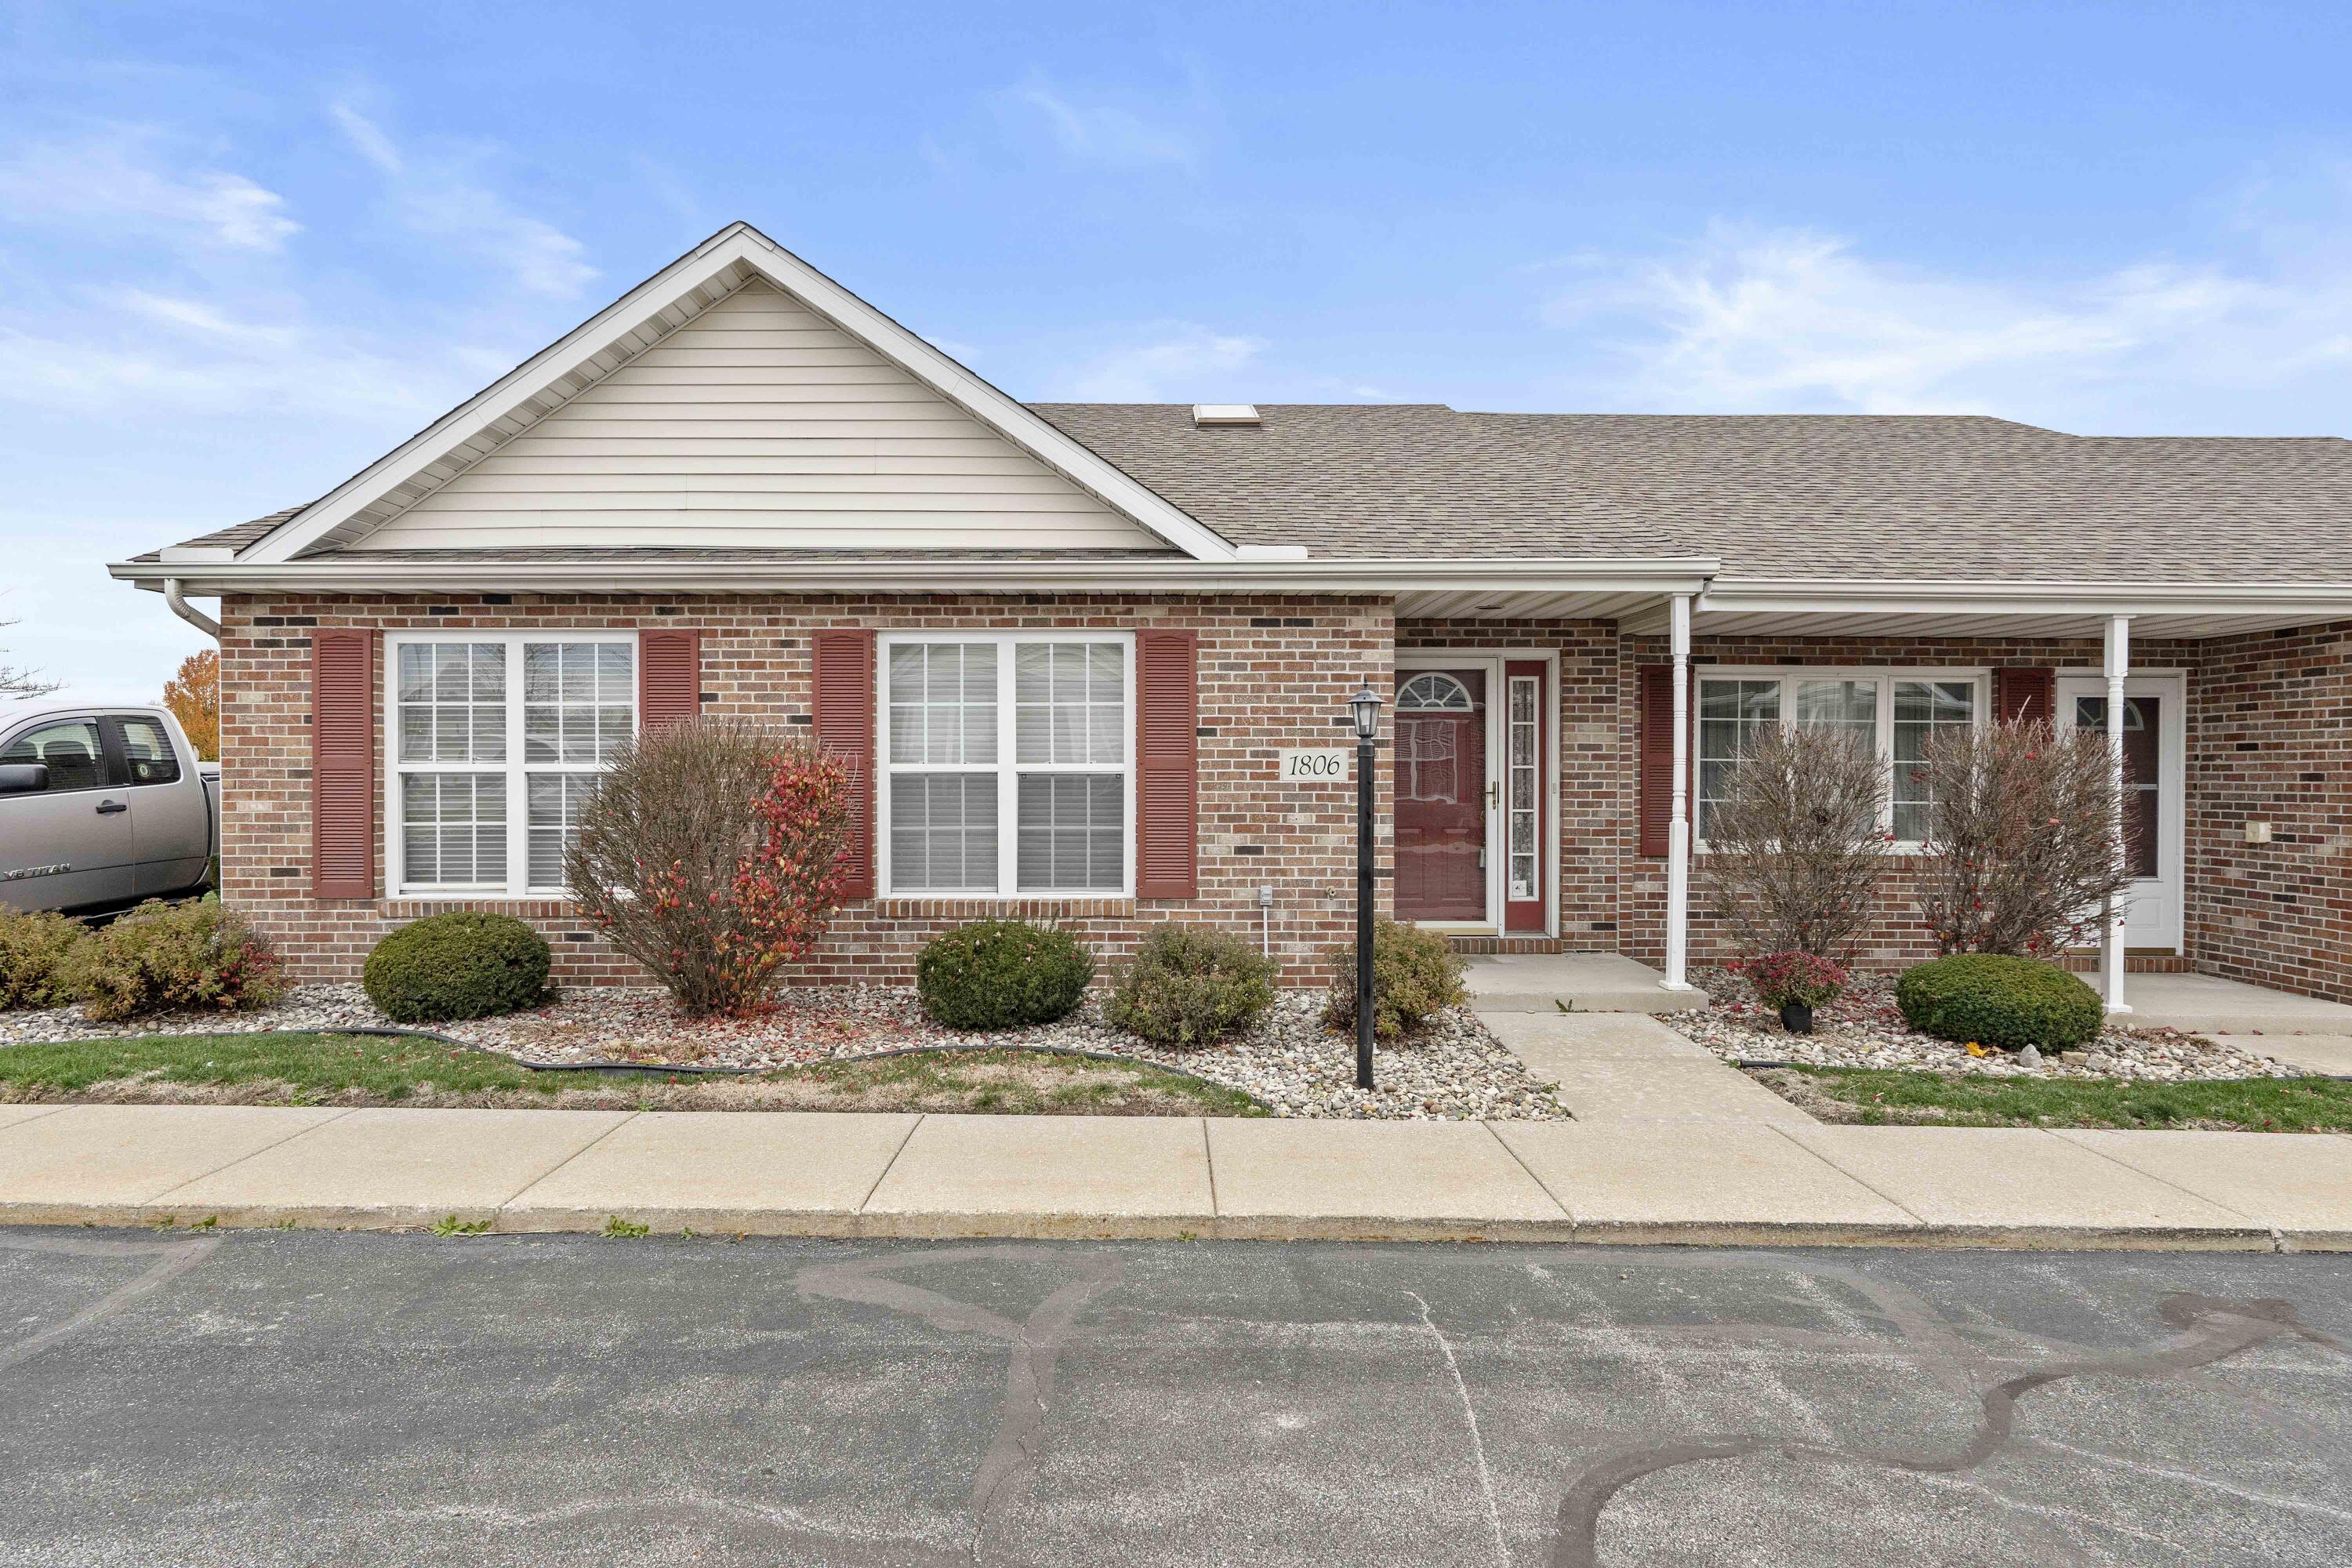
302	1398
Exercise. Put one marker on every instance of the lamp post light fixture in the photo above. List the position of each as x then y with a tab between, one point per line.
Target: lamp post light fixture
1364	708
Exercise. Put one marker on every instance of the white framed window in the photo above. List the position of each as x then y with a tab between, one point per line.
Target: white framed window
1898	711
1007	764
493	744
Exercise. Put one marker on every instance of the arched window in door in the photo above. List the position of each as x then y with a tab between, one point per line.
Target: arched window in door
1435	691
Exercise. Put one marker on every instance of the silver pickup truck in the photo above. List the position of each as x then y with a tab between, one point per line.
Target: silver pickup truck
101	807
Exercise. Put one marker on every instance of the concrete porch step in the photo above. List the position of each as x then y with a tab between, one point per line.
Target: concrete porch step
1570	982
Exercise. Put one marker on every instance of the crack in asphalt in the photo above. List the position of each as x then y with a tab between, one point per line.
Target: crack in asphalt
1470	1417
1017	1448
173	1259
2207	1329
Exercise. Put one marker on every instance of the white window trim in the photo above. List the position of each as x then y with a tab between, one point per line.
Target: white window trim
1007	768
516	883
1886	676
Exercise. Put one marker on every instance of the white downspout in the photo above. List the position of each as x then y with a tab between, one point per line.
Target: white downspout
187	612
1678	833
2111	940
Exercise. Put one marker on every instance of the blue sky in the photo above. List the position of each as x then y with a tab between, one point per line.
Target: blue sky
244	249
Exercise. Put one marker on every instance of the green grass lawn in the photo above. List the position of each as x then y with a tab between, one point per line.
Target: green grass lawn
373	1069
1885	1096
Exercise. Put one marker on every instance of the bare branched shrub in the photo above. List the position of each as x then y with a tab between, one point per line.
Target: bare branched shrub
2020	840
1795	848
711	855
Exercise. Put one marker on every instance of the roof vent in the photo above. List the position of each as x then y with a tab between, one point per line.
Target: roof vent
1205	414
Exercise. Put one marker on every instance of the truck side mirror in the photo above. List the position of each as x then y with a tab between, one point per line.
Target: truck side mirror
23	778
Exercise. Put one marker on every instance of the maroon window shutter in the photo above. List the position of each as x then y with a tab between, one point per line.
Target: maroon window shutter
1168	772
342	764
845	728
2025	695
1657	785
669	677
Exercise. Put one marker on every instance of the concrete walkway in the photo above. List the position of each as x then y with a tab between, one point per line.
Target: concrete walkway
1571	983
1618	1177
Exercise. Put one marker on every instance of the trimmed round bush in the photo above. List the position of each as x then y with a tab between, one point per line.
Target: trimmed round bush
458	964
1002	975
1996	999
1415	974
1190	985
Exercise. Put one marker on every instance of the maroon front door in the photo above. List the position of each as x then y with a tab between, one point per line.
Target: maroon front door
1441	795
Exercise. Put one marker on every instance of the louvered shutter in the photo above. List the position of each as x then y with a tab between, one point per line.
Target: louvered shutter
845	728
669	677
342	764
2025	695
1657	756
1167	758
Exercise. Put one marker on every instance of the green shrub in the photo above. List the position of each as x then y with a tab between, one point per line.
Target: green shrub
36	954
1188	985
161	957
1002	975
1415	974
1995	999
458	964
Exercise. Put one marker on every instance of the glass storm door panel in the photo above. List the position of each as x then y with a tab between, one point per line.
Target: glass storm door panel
1441	795
1525	874
2151	741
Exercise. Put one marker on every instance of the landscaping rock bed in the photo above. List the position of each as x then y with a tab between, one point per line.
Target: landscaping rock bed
1865	1029
1452	1070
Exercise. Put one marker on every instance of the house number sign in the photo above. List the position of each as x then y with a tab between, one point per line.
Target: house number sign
1324	765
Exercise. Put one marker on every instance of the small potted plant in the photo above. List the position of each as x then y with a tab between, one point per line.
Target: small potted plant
1793	984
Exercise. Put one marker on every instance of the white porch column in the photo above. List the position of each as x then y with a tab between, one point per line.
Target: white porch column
2111	940
1678	828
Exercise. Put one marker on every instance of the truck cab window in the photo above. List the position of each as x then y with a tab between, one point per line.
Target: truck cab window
72	749
148	751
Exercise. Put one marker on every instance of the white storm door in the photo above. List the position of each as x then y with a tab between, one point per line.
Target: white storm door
2154	727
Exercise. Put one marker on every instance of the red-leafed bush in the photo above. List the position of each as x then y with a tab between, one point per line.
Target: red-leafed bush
1780	978
711	855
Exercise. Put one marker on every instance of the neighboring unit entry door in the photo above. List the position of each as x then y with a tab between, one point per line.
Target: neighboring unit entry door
2154	727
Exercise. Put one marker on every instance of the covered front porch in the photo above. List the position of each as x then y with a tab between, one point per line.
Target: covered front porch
1553	757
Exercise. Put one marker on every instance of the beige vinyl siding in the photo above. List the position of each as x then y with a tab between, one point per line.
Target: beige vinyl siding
758	424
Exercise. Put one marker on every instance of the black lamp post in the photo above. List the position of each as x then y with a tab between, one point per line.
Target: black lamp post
1365	708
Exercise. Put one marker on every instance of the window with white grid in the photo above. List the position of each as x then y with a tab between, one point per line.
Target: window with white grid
1007	764
1896	710
492	732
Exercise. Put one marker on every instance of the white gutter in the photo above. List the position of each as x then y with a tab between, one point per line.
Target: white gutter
1902	596
187	612
1681	574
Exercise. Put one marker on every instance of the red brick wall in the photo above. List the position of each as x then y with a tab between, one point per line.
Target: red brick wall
1273	673
2272	742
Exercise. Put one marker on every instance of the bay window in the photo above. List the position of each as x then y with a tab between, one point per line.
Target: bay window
496	740
1007	764
1898	711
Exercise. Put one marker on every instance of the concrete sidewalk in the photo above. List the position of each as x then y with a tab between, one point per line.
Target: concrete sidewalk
1693	1179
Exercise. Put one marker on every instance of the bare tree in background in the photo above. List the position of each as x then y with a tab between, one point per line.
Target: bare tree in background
16	683
1795	847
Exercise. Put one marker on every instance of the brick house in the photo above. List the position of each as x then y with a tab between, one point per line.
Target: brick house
1065	645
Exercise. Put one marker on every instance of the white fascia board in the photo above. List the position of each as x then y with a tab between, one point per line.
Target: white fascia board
1896	596
740	243
379	575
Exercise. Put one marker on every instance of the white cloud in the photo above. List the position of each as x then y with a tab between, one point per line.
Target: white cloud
1093	129
123	180
1180	364
1763	321
441	197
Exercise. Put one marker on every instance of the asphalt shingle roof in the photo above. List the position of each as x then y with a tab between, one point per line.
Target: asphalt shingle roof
1793	495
